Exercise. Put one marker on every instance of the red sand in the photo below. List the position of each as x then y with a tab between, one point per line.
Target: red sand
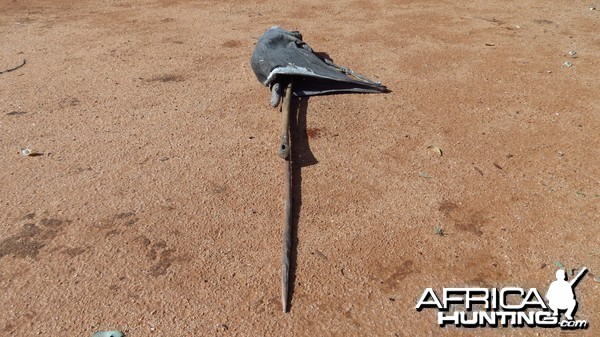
157	205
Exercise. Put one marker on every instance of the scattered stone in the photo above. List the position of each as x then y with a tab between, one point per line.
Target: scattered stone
113	333
435	149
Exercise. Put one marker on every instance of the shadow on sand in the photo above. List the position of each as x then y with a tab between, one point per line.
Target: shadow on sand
301	157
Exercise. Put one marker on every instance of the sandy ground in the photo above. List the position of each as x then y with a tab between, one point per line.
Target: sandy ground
156	205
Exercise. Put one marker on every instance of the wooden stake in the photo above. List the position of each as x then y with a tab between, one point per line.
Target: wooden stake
285	153
284	148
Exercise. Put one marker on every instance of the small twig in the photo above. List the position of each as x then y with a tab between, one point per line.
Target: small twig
15	68
284	152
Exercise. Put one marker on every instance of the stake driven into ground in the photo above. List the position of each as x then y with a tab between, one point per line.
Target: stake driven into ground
285	153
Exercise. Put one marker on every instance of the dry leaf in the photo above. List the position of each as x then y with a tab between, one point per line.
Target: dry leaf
560	265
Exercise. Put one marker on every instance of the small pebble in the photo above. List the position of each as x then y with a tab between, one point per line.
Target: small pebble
108	334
